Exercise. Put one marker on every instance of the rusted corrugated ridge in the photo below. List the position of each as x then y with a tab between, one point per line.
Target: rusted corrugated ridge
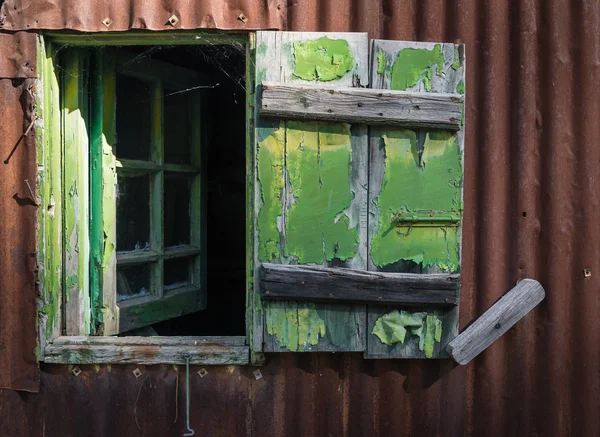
118	15
532	206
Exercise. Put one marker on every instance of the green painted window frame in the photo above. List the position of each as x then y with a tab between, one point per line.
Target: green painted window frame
78	345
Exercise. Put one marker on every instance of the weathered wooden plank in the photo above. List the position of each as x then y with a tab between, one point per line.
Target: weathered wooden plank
110	310
185	250
144	38
417	172
267	60
134	165
501	316
361	105
322	284
76	180
287	155
136	257
146	354
50	232
151	341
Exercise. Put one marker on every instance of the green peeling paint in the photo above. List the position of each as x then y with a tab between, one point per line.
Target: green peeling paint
460	88
322	59
412	65
380	62
456	61
270	175
393	327
297	327
435	188
319	157
262	49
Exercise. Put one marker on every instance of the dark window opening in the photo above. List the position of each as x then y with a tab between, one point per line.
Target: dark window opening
223	211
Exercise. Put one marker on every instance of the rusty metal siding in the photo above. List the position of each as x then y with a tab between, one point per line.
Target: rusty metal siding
119	15
18	367
532	165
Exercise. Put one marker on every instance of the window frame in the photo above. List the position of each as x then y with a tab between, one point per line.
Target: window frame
76	346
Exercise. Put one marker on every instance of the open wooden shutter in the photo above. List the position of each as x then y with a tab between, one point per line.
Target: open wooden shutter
324	236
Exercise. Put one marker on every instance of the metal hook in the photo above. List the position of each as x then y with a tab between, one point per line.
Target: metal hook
190	432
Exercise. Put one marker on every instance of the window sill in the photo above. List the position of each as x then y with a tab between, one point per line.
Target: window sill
147	350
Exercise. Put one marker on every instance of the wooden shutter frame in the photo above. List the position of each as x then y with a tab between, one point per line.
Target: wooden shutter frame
286	101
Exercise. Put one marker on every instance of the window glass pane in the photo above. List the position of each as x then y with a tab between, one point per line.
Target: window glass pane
177	127
176	272
134	118
133	212
133	282
177	210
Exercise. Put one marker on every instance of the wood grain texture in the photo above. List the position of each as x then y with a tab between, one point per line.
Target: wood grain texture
147	350
322	284
76	180
344	323
361	105
503	315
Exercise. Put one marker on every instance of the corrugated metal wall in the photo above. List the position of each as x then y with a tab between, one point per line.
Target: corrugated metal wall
532	163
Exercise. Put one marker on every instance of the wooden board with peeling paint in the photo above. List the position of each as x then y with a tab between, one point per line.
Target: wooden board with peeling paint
417	173
311	191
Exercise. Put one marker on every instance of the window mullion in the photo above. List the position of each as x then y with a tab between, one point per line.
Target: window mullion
156	189
196	195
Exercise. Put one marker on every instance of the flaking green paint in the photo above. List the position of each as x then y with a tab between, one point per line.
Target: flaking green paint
49	187
318	161
406	187
456	60
393	327
322	59
96	230
413	65
270	175
460	88
262	48
297	327
380	62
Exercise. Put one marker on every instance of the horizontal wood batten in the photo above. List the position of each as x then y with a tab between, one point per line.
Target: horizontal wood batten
146	350
362	105
322	284
181	251
147	310
511	308
134	165
139	257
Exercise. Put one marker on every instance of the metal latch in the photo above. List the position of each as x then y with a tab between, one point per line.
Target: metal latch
425	219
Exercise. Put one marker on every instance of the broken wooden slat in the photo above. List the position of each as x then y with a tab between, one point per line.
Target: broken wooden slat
362	105
511	308
322	284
